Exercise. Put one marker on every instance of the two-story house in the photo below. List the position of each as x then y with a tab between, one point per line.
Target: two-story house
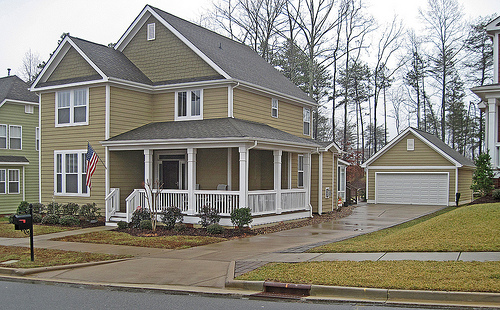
19	144
176	103
490	96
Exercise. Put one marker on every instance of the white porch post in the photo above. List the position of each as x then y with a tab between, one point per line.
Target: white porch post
277	178
243	176
307	178
492	132
320	183
191	170
148	166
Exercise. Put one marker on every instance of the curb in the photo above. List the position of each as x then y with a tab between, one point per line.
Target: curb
28	271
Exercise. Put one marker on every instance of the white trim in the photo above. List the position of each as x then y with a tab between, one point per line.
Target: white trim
37	139
29	108
229	168
17	102
289	170
320	183
10	163
24	185
456	181
304	110
81	155
10	131
188	116
6	137
299	170
40	150
273	107
4	181
230	101
107	114
151	31
412	167
9	181
72	107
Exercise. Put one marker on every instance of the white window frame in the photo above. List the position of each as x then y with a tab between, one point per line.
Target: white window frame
81	171
37	138
341	181
72	106
410	144
29	108
151	32
300	170
18	181
274	108
189	111
6	137
20	137
3	181
306	118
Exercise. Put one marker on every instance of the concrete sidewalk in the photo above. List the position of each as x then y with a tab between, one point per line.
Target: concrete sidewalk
209	267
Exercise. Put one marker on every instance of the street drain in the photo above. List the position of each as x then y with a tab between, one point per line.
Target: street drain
285	290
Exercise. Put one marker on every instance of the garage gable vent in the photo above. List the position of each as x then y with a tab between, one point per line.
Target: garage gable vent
410	144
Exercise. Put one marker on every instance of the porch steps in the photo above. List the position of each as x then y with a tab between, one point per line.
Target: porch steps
115	218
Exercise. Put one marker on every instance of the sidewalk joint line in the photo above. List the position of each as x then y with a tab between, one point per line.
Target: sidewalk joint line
381	257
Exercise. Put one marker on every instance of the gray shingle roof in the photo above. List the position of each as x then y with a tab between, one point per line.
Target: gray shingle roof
13	88
13	159
445	148
210	129
237	60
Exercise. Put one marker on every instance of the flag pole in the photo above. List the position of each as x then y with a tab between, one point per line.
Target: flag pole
88	143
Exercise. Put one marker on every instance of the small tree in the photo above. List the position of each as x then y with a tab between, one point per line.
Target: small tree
153	192
482	179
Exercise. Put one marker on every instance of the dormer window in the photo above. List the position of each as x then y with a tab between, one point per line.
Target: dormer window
189	105
151	32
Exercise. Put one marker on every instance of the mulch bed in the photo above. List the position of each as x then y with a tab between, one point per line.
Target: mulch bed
236	233
484	199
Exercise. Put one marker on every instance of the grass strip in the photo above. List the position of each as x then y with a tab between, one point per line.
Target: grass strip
471	228
163	242
413	275
49	257
7	230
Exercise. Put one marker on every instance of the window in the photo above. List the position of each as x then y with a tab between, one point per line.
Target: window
13	181
28	109
307	121
70	173
3	136
410	144
189	105
37	138
151	32
2	181
15	140
300	171
274	108
72	107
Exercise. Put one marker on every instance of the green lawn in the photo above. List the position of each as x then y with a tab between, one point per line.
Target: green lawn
48	257
7	230
473	228
414	275
121	238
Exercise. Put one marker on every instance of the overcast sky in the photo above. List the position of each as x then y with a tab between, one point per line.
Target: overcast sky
38	24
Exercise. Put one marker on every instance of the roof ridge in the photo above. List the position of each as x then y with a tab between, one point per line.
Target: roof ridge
88	41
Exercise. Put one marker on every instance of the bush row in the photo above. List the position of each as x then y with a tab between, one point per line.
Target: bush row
89	212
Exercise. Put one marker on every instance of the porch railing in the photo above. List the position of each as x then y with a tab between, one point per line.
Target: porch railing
262	202
293	200
112	202
225	202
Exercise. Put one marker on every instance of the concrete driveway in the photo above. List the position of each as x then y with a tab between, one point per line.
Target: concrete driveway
207	266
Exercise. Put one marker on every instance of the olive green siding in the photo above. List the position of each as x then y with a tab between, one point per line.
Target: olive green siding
73	138
13	114
284	170
235	169
72	66
260	170
257	108
166	58
464	183
423	155
294	172
335	195
211	168
129	109
164	107
126	171
315	182
215	103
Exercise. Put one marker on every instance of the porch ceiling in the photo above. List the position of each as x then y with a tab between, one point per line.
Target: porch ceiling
223	129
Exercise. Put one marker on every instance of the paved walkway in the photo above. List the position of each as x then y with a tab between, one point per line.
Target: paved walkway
207	266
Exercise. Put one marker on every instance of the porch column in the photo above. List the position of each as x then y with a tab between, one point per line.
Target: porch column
191	178
492	131
307	178
148	166
243	176
277	178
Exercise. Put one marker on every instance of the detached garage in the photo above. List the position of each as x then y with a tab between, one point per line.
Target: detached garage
418	168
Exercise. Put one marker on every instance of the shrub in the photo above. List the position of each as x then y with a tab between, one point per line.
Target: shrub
146	224
241	217
54	208
122	225
11	218
70	208
208	216
69	220
139	215
90	212
482	179
51	219
179	227
37	218
215	229
496	194
23	208
38	208
171	216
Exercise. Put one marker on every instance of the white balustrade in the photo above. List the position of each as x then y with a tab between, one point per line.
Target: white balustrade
112	202
262	202
224	201
293	200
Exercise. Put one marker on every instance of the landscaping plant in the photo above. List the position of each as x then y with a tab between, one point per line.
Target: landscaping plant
122	225
215	229
171	216
70	208
139	215
496	194
69	220
54	208
51	219
241	217
482	179
23	208
208	216
146	224
153	192
90	212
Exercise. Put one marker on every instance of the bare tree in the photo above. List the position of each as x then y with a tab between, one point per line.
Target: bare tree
30	67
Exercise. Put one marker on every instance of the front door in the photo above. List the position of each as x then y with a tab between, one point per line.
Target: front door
170	172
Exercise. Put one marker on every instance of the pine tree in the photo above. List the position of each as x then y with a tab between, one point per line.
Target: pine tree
482	179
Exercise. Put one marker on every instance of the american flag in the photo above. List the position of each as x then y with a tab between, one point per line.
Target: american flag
91	158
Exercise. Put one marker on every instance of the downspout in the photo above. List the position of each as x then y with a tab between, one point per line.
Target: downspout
230	108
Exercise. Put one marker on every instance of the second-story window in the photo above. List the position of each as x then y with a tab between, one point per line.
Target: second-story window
3	136
307	121
15	137
189	105
72	107
274	108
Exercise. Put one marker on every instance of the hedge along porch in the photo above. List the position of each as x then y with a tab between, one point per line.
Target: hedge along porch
224	163
418	168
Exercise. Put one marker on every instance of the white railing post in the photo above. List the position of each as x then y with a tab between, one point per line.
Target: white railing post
277	179
243	176
191	167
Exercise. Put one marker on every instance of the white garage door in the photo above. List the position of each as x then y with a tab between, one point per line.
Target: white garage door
412	188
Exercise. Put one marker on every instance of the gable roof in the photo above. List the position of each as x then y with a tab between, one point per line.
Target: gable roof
209	129
14	89
432	141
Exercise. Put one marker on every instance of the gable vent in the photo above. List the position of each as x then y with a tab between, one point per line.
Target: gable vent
410	144
151	32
